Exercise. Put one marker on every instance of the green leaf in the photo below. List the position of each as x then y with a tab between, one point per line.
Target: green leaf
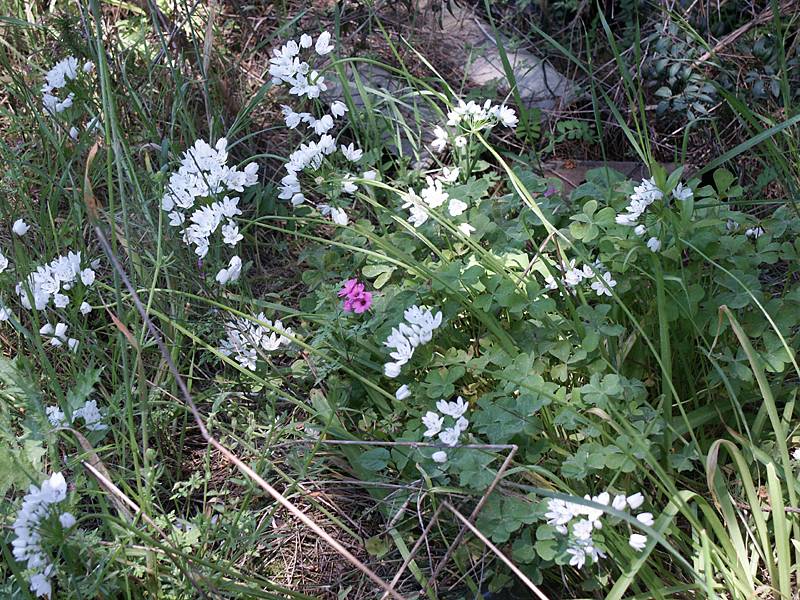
374	460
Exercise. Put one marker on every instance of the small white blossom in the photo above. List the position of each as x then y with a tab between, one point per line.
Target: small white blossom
637	541
402	392
231	273
433	423
440	456
323	45
20	227
654	244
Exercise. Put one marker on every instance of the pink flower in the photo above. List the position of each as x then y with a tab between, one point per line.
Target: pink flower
360	303
351	288
356	299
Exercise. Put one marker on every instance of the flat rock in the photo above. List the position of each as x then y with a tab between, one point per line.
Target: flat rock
540	85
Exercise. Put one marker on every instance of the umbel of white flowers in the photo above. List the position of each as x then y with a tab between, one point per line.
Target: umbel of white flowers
89	412
579	521
602	281
53	280
304	81
406	337
191	197
245	339
645	194
39	505
434	424
57	78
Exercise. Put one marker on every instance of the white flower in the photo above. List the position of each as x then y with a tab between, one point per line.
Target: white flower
323	125
583	529
87	277
619	502
507	116
440	456
654	244
640	230
230	234
466	229
60	300
5	313
754	232
637	541
348	186
682	193
338	109
306	41
636	500
339	216
55	416
440	139
369	175
645	518
796	454
91	415
604	284
85	308
3	263
433	194
460	141
231	273
323	45
456	207
450	436
72	344
20	227
433	423
559	513
448	175
67	520
351	153
392	369
577	556
452	409
402	392
40	585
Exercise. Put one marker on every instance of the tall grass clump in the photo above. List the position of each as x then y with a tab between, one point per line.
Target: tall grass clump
303	336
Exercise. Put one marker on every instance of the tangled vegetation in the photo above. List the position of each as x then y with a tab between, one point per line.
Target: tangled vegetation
271	331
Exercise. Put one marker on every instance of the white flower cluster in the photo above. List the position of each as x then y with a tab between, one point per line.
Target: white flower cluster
89	412
56	79
470	117
434	424
245	339
39	505
58	336
286	66
202	176
573	276
404	339
561	514
51	281
643	196
433	195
